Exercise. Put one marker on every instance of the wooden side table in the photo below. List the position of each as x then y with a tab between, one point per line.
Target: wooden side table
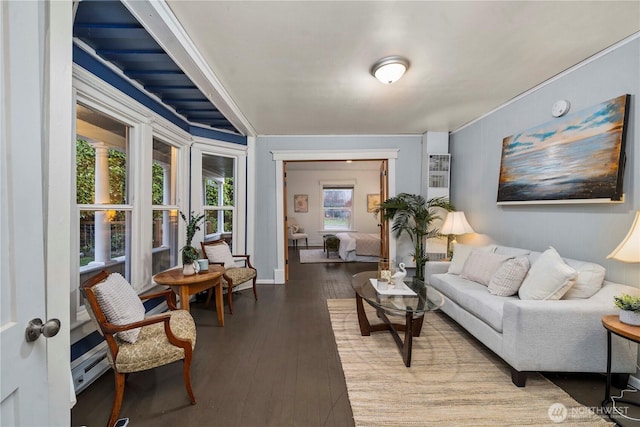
185	286
613	325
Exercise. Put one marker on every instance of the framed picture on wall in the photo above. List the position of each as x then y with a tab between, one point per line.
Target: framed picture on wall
301	203
576	158
373	200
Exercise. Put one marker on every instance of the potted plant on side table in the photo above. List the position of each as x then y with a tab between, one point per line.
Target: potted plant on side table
630	309
190	254
413	214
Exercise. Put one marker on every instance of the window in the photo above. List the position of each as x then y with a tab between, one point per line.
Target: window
337	203
165	211
102	185
219	196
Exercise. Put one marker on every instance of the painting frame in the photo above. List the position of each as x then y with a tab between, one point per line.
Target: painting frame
301	203
578	158
373	200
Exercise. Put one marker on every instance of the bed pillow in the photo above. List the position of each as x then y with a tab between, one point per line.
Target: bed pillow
120	304
461	253
480	266
220	253
549	278
506	281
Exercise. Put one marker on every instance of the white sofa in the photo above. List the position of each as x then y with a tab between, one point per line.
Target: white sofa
564	335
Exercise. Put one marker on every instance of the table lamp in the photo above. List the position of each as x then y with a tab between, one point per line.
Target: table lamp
455	224
629	249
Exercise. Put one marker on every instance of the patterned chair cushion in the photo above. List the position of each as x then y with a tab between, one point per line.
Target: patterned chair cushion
239	275
153	348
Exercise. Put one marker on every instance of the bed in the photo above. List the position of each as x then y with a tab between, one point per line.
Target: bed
354	245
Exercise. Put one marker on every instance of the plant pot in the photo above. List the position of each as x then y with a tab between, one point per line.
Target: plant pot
188	269
630	317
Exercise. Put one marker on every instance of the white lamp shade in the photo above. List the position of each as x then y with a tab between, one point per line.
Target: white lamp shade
456	223
389	70
629	249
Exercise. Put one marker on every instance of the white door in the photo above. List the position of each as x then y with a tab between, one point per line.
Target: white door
26	375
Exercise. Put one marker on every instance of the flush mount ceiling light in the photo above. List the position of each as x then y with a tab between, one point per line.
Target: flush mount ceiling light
389	70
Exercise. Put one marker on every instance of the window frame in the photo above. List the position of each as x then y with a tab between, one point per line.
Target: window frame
338	185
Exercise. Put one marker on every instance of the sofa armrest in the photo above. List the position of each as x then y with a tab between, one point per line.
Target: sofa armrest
564	335
435	267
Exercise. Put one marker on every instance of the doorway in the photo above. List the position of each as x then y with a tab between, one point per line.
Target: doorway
282	158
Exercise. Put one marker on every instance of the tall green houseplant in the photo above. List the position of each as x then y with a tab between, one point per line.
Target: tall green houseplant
189	253
413	214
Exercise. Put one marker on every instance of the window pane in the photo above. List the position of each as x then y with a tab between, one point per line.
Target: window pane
104	240
101	159
165	240
337	204
163	175
217	175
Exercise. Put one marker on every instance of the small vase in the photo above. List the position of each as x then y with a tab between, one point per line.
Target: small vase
630	317
188	270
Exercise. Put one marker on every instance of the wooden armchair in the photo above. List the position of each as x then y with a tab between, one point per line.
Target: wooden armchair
218	252
137	343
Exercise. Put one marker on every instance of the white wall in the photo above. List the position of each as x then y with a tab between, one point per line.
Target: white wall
580	231
309	182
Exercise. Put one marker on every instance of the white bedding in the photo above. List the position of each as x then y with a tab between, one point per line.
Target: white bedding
353	245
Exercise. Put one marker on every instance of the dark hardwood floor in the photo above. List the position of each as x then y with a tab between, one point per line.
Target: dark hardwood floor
274	363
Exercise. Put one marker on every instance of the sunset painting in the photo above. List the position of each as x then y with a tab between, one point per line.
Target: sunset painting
576	157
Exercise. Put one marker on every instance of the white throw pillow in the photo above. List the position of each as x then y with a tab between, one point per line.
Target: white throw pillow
220	253
461	253
589	281
120	304
507	279
549	278
480	266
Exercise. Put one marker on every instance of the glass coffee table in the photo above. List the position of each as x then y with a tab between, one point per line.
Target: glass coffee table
411	300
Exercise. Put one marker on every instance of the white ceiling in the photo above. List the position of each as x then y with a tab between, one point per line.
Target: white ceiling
302	67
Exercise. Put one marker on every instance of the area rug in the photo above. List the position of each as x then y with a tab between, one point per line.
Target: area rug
315	256
453	380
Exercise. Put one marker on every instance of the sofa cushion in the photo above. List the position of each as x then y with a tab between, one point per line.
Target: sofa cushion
480	266
461	253
549	278
508	278
472	297
589	281
514	252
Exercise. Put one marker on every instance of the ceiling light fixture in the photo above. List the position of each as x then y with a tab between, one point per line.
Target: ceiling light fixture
389	70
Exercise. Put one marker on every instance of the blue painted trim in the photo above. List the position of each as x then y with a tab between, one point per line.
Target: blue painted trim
100	70
220	136
90	341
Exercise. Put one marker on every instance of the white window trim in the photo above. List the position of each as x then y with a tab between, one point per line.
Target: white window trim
351	185
239	155
143	125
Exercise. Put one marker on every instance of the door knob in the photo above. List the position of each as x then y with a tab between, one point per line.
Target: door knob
35	328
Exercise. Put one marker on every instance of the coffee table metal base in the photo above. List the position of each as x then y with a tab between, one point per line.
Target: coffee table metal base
411	328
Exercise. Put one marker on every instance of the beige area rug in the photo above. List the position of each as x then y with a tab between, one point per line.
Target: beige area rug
317	256
453	380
